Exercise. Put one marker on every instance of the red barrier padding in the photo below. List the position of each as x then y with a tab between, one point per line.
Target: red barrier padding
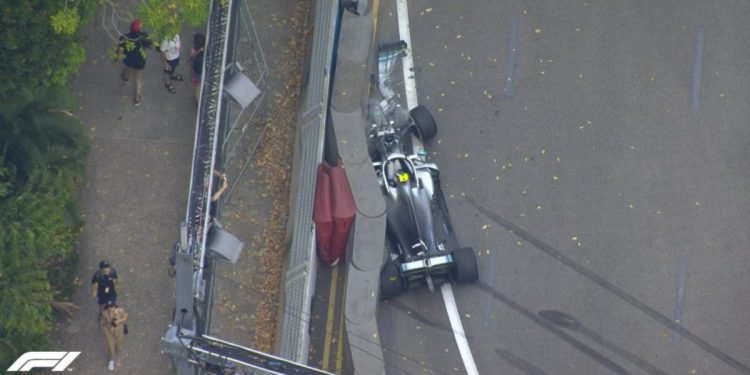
323	215
343	212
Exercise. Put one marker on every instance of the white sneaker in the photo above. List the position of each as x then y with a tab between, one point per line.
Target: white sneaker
111	366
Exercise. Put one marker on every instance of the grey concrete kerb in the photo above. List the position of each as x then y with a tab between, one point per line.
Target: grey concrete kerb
368	245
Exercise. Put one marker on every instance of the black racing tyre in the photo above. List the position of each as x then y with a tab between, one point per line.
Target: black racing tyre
372	149
466	270
425	122
391	283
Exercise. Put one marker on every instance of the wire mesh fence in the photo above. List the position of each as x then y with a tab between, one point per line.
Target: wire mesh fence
243	123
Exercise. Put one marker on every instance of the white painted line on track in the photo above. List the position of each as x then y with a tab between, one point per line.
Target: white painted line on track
410	82
458	329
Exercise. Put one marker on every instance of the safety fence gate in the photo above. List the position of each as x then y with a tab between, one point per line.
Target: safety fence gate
243	115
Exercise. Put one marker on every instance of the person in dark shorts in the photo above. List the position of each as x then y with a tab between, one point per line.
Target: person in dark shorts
104	284
132	51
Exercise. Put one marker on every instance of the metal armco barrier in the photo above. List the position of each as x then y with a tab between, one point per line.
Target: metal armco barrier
301	266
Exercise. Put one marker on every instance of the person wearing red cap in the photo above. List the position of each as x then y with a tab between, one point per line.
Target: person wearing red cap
132	51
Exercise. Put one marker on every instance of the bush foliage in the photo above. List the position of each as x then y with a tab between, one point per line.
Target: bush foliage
43	150
165	18
39	44
42	154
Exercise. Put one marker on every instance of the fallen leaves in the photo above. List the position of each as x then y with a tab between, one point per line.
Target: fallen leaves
274	164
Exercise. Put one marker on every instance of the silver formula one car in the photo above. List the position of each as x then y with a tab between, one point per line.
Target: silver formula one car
423	247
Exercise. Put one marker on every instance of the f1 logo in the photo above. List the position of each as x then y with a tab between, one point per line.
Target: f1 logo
59	361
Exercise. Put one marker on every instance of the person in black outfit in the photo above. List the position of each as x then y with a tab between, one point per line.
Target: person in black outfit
196	55
132	51
104	285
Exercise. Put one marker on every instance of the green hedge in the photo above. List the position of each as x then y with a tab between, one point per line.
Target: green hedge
42	153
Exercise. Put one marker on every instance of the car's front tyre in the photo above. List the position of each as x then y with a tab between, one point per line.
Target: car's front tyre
425	122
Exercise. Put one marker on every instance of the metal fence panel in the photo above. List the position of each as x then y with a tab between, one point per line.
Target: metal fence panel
299	280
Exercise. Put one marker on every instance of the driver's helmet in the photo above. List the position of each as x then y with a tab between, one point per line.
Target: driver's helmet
398	171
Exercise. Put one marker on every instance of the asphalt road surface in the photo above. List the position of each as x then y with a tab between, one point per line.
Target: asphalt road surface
595	154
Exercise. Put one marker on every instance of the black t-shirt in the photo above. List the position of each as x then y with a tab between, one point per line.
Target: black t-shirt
134	46
106	285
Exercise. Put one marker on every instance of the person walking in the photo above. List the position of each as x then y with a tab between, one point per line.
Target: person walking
169	49
132	52
112	321
196	56
104	285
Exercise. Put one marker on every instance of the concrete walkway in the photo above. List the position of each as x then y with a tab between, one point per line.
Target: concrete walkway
135	195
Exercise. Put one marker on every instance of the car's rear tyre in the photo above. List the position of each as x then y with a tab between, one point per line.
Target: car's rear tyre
425	122
466	270
391	282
